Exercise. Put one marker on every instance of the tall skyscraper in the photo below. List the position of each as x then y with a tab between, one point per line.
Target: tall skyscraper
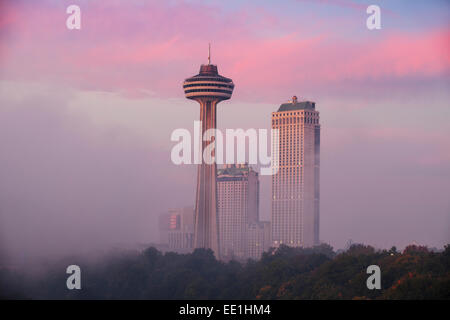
208	88
295	187
238	206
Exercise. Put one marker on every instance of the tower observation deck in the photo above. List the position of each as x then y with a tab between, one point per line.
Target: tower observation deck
208	88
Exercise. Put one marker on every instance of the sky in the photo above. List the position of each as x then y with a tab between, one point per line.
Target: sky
86	115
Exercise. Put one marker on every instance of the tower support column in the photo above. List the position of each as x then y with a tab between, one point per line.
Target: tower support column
206	219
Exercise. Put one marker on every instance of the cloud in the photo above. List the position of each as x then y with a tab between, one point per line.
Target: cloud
154	46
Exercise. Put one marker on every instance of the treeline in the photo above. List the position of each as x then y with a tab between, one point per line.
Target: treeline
286	273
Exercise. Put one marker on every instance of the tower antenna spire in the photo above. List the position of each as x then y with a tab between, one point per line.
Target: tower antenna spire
209	53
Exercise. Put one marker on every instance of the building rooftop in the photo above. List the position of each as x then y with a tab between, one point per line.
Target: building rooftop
294	104
232	170
208	72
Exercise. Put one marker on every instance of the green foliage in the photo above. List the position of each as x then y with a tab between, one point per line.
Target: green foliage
285	273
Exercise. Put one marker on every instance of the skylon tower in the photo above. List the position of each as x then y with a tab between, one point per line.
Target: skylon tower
208	88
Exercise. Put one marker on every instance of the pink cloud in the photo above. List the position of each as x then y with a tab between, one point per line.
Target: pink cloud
361	7
284	60
154	46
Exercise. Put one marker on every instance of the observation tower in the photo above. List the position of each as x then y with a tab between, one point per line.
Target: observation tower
208	88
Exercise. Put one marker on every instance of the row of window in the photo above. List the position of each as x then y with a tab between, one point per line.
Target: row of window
231	86
276	122
218	79
208	90
295	113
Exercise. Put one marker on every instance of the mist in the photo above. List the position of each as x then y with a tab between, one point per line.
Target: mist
69	187
83	172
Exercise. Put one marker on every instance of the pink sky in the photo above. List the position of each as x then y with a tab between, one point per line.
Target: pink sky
154	46
88	114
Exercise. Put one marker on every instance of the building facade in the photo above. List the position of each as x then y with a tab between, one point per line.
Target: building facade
176	228
295	186
238	206
258	238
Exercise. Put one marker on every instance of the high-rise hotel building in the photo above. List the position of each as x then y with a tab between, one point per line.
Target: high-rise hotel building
295	186
238	206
